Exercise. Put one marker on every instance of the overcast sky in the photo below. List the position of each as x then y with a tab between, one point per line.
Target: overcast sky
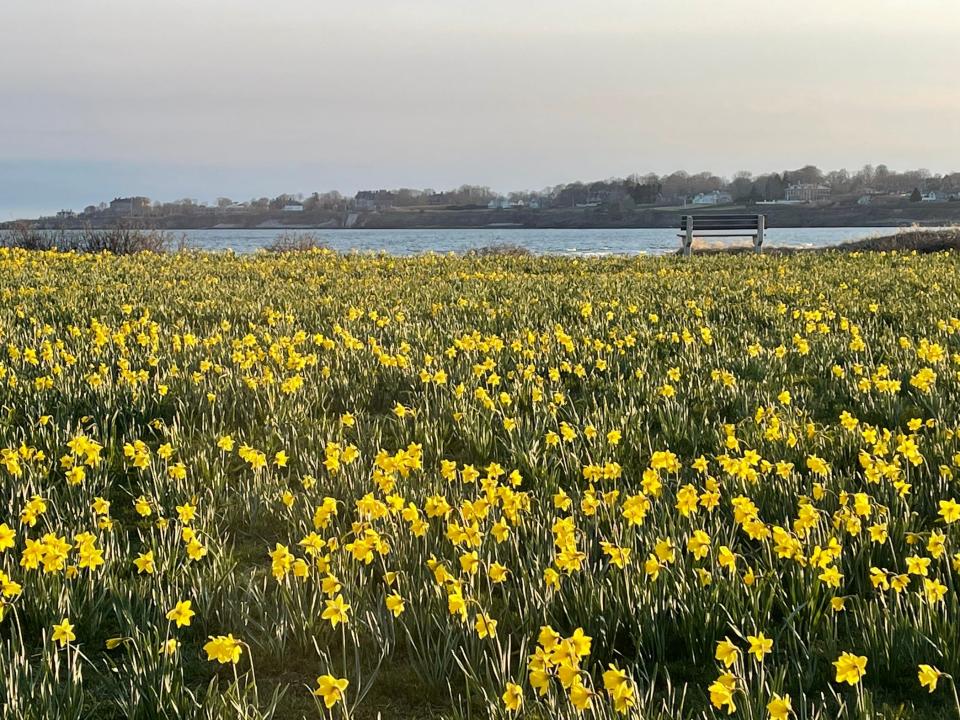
200	98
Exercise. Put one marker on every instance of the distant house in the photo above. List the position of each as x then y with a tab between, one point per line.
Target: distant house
365	200
867	195
293	207
806	192
934	196
717	197
237	207
500	203
129	206
374	200
122	206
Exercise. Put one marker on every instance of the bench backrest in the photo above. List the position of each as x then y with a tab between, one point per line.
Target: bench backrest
722	222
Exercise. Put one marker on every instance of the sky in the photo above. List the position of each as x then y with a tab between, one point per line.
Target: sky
245	98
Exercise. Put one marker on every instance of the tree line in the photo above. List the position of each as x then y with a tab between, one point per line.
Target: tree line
635	189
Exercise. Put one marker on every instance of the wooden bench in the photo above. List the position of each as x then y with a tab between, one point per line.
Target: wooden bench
722	226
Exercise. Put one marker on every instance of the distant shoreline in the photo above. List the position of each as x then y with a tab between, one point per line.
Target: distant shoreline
511	226
900	214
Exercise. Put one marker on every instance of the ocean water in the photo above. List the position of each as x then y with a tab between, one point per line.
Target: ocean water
539	241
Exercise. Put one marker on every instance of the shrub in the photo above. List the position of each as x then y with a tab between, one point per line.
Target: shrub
288	242
123	239
25	236
500	250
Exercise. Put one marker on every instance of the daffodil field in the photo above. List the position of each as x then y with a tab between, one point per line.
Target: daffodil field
312	485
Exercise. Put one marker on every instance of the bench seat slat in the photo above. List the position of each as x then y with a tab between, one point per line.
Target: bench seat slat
723	222
718	235
722	216
715	226
698	220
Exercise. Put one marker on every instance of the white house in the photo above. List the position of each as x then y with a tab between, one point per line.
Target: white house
500	203
807	192
934	196
717	197
293	207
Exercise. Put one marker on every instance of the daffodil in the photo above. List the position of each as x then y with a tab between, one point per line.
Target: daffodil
181	613
850	668
760	645
727	652
928	676
513	697
331	689
337	611
779	707
63	633
225	649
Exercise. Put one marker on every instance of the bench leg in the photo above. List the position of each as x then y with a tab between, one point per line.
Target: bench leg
758	238
688	240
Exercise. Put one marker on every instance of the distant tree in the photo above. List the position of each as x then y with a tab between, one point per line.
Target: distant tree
881	178
807	175
571	194
915	196
280	200
405	197
643	193
839	180
705	182
223	202
774	188
742	186
331	200
676	184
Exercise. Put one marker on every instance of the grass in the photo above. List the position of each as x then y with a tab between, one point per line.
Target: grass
910	240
